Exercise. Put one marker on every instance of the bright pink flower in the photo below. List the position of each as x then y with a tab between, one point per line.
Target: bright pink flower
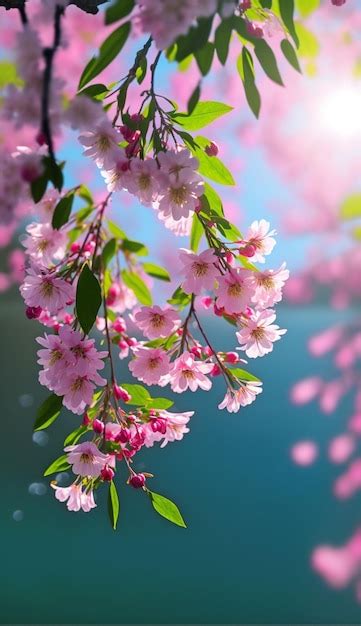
149	364
155	322
180	193
199	270
260	236
78	390
235	290
82	354
304	452
175	428
47	291
86	459
244	395
187	373
44	243
259	333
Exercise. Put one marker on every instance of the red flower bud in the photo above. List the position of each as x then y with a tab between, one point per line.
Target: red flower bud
137	481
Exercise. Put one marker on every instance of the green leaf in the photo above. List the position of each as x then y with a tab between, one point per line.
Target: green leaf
203	114
351	207
116	231
267	59
306	7
197	233
109	251
204	58
85	193
74	436
113	505
222	40
109	49
156	271
9	75
62	211
195	39
94	91
166	508
243	375
246	72
118	10
138	286
48	412
88	298
213	200
59	465
140	396
194	99
287	8
290	54
210	167
141	70
159	403
38	188
179	298
134	246
308	42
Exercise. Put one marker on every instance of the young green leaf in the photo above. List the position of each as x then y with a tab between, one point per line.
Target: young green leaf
134	246
243	375
166	508
75	435
116	231
290	54
97	91
179	298
197	233
156	271
48	411
267	59
211	166
138	286
159	403
203	114
287	8
62	211
222	40
88	298
204	58
113	505
109	251
109	49
140	396
246	72
195	39
59	465
194	99
306	7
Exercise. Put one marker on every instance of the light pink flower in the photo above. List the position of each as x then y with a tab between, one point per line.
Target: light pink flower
77	390
86	459
175	428
261	238
117	173
180	194
259	333
187	373
101	143
244	395
149	364
156	322
47	291
199	270
83	113
269	284
44	244
82	354
235	290
75	497
53	358
120	297
143	181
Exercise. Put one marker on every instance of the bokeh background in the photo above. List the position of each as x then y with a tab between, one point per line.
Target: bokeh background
253	515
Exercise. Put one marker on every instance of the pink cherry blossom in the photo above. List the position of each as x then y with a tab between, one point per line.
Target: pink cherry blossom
199	270
259	333
187	373
44	244
261	238
235	290
74	496
156	322
120	297
77	390
243	396
101	143
149	364
46	290
86	459
180	193
144	180
175	428
269	284
81	352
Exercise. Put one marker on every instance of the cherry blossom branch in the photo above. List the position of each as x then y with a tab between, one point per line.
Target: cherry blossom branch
23	15
48	54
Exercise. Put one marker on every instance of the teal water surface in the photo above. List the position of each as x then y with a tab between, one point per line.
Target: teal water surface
253	517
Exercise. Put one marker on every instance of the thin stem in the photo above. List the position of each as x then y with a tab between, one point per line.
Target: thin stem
23	15
220	364
112	370
48	54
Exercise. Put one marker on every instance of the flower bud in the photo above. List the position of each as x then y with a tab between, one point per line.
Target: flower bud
231	357
121	394
137	481
338	3
244	5
218	310
123	436
98	426
107	473
212	149
248	250
40	139
33	312
197	351
86	419
75	247
119	325
216	370
254	30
